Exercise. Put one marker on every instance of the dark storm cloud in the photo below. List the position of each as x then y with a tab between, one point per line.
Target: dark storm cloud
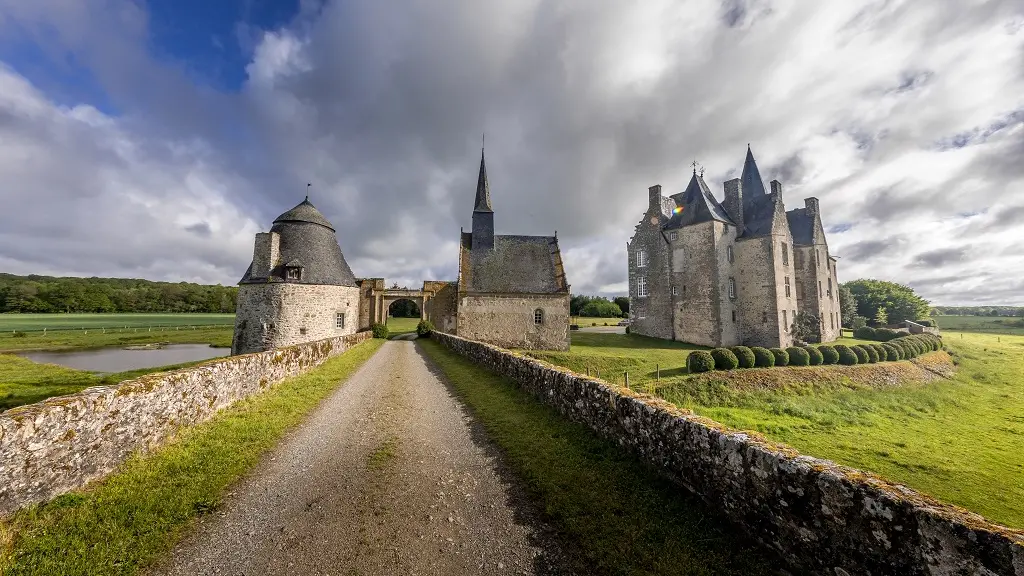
872	249
200	229
940	258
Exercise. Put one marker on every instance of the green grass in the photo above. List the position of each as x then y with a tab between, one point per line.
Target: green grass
32	322
74	339
128	520
988	324
398	326
618	514
958	440
23	381
587	322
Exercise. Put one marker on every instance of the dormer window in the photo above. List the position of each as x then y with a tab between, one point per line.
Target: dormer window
294	273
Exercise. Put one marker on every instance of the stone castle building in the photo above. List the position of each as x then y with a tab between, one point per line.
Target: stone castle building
729	273
511	291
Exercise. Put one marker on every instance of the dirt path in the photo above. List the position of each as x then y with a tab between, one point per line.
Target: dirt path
388	476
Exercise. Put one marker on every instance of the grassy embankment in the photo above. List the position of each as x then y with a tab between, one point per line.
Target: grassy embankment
618	515
399	326
987	324
71	331
958	439
123	523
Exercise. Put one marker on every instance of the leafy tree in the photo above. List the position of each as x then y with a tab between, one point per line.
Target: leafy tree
806	327
847	305
900	302
623	302
881	316
599	307
576	304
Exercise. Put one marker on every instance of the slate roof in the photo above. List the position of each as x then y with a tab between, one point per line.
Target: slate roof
307	239
699	205
516	265
758	217
483	189
752	187
801	226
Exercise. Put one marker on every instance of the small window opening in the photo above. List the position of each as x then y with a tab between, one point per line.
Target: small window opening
728	253
293	273
538	316
732	287
675	291
641	258
302	330
339	320
733	315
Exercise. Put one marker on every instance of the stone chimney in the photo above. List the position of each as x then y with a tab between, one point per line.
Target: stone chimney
734	202
654	197
776	188
811	204
266	254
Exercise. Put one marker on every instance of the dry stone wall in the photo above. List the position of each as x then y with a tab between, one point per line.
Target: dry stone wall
819	517
64	442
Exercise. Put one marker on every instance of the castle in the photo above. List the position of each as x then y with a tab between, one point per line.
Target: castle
736	272
511	291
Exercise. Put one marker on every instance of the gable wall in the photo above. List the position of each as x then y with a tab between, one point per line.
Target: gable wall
651	315
508	320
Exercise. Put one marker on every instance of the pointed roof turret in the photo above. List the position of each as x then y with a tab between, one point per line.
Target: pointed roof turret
750	180
483	189
696	204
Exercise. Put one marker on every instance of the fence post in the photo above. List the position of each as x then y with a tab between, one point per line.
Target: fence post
588	370
625	376
657	367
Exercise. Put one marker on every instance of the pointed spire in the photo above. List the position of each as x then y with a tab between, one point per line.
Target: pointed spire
752	185
483	189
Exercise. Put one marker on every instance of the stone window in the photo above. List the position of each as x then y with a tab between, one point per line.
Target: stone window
787	284
817	256
538	316
799	289
641	286
339	320
832	321
728	253
675	291
293	273
673	236
820	294
785	254
733	315
785	318
798	259
302	330
732	287
829	286
641	258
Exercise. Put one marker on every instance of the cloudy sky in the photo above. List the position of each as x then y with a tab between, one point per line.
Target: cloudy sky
154	138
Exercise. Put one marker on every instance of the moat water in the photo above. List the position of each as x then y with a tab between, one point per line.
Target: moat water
108	360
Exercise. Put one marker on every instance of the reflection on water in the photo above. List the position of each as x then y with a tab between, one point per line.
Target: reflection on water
109	360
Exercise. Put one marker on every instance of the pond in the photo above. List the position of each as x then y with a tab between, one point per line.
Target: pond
108	360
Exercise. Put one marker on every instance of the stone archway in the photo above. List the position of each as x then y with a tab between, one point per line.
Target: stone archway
436	301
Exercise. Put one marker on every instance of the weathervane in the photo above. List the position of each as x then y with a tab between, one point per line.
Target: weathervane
694	164
307	191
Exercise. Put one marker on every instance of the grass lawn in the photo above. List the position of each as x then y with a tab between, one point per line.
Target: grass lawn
23	381
618	515
121	524
586	322
990	324
32	322
91	338
958	440
398	326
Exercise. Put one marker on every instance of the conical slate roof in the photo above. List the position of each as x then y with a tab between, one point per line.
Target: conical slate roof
483	189
750	180
697	204
304	212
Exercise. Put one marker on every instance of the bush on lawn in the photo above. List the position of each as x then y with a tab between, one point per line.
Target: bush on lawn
886	334
763	357
700	361
880	352
380	331
744	355
865	333
781	356
847	357
892	353
798	356
861	352
829	354
815	355
871	352
424	328
724	359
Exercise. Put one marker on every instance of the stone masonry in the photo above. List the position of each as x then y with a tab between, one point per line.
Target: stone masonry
273	315
64	442
818	517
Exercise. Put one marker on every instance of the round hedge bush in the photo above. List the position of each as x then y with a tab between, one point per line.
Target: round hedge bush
871	352
865	333
798	356
724	359
892	353
909	350
815	355
424	328
700	361
847	357
861	352
781	356
880	352
763	357
744	355
829	355
886	334
380	331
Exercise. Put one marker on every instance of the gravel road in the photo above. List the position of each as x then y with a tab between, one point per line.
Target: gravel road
388	476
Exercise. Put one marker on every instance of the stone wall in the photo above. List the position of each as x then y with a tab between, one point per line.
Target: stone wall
441	309
697	313
651	314
508	320
817	516
64	442
279	314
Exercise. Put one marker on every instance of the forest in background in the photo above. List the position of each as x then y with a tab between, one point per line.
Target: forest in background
48	294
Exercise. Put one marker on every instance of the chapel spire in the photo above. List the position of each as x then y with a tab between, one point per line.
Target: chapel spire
483	215
483	189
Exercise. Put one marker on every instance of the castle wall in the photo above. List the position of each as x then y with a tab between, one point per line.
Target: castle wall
651	314
696	305
508	320
441	307
756	300
818	298
279	314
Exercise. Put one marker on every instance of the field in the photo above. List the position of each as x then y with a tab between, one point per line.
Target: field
957	439
584	321
219	336
34	322
989	324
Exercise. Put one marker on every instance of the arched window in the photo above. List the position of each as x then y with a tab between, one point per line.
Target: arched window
538	316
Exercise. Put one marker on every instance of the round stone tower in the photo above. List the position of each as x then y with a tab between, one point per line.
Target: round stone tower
298	288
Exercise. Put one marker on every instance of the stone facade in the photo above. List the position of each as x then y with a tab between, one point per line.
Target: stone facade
62	443
732	272
818	517
274	315
511	321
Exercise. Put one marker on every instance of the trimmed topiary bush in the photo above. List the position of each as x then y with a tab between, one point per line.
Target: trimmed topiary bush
892	353
744	355
847	357
871	352
798	356
424	328
627	329
724	359
380	331
861	352
781	356
763	357
829	355
865	333
880	352
886	334
700	361
815	356
908	349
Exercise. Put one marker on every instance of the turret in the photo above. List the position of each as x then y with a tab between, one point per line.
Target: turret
483	215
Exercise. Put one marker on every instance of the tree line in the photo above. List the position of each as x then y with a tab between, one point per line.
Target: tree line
978	311
598	306
48	294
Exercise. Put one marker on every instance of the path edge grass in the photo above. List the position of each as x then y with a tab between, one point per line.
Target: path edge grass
129	520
